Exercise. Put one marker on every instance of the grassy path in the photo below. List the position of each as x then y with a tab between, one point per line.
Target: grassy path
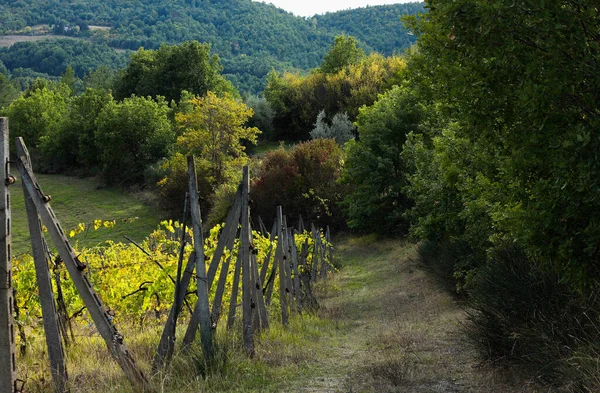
395	329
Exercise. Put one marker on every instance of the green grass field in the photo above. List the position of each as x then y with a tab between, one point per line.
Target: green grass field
77	201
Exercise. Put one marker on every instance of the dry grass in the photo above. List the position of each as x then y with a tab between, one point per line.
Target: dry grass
383	326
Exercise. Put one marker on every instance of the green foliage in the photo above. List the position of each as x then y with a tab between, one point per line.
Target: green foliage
251	37
53	56
303	180
297	100
169	70
342	53
41	111
9	90
211	129
341	128
529	317
132	135
377	27
263	115
518	114
374	165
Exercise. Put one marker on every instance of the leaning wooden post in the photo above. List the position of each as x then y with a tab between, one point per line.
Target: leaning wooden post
282	279
258	295
246	272
297	290
54	343
265	266
202	304
103	321
315	259
166	345
8	357
234	293
229	230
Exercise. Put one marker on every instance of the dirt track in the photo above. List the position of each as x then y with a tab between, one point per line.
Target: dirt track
396	330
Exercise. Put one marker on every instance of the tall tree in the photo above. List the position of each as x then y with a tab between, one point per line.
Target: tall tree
169	70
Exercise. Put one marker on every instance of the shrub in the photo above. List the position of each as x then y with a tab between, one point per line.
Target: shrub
530	317
303	181
341	128
131	136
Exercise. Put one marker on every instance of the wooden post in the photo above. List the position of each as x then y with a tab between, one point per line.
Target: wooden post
322	256
297	290
265	265
270	284
246	272
282	270
76	269
202	304
260	310
54	343
8	357
166	345
229	230
262	227
234	293
218	300
315	260
289	286
300	224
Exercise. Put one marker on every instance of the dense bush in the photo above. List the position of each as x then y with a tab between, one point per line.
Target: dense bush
131	136
374	166
526	315
303	180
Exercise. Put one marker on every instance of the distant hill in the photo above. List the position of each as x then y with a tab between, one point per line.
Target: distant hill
250	37
380	28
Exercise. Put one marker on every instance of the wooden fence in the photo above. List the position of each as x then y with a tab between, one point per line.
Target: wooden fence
290	265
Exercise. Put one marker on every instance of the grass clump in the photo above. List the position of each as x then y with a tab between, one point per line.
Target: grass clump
529	317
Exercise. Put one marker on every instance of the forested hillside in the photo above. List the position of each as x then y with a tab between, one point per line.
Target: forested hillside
379	28
250	37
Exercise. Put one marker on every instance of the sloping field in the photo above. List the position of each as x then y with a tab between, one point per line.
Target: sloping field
9	40
78	201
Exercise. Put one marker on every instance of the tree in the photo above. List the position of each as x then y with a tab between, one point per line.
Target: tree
342	53
519	82
40	111
213	131
8	91
341	128
171	69
132	135
374	165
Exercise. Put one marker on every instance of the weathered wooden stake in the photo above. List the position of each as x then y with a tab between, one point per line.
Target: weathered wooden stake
166	345
229	230
261	309
206	333
218	300
234	293
282	269
297	290
246	272
265	265
76	269
54	343
8	357
315	261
